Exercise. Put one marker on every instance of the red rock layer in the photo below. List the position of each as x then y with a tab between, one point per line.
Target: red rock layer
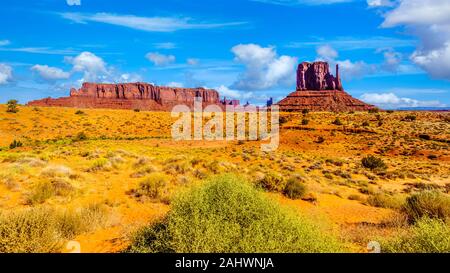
317	76
131	96
329	100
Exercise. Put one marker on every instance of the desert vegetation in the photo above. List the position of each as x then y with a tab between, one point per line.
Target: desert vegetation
114	181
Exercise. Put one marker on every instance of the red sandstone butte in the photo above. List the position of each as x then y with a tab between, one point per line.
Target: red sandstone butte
138	95
319	90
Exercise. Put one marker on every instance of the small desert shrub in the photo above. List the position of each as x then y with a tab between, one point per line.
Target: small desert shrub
373	163
227	215
272	182
40	193
383	200
43	230
80	136
283	120
410	118
11	106
426	236
101	164
137	110
15	144
374	110
56	171
294	189
365	124
355	197
305	111
337	121
424	137
320	140
79	112
432	204
305	121
153	187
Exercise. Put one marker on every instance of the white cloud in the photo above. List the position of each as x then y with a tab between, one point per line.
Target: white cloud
50	73
392	101
175	84
353	43
4	42
429	20
5	73
380	3
160	59
73	2
234	94
151	24
127	77
166	45
264	69
348	68
392	59
192	61
93	67
326	53
303	2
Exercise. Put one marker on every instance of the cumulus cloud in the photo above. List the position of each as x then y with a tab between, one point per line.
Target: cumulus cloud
73	2
225	91
304	2
264	68
429	20
93	67
326	53
160	59
392	59
5	73
392	101
50	73
348	68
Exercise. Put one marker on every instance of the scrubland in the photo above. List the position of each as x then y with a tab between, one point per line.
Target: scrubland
115	181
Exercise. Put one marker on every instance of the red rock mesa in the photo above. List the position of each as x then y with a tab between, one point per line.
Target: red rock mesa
318	90
141	96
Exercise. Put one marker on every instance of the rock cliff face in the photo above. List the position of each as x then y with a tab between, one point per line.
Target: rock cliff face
131	96
319	90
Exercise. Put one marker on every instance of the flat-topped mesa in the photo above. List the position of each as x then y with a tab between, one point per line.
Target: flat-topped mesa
316	76
137	95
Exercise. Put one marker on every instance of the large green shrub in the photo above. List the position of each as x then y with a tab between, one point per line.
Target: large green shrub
426	236
432	204
373	163
228	215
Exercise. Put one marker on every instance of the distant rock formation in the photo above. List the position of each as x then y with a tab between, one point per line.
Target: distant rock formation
141	96
319	90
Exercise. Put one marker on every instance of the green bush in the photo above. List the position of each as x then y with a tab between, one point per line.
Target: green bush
431	203
294	189
373	163
15	144
337	121
383	200
426	236
410	118
227	215
305	121
153	187
79	112
272	182
11	106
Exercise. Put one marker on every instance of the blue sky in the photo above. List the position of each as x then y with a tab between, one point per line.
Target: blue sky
246	49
